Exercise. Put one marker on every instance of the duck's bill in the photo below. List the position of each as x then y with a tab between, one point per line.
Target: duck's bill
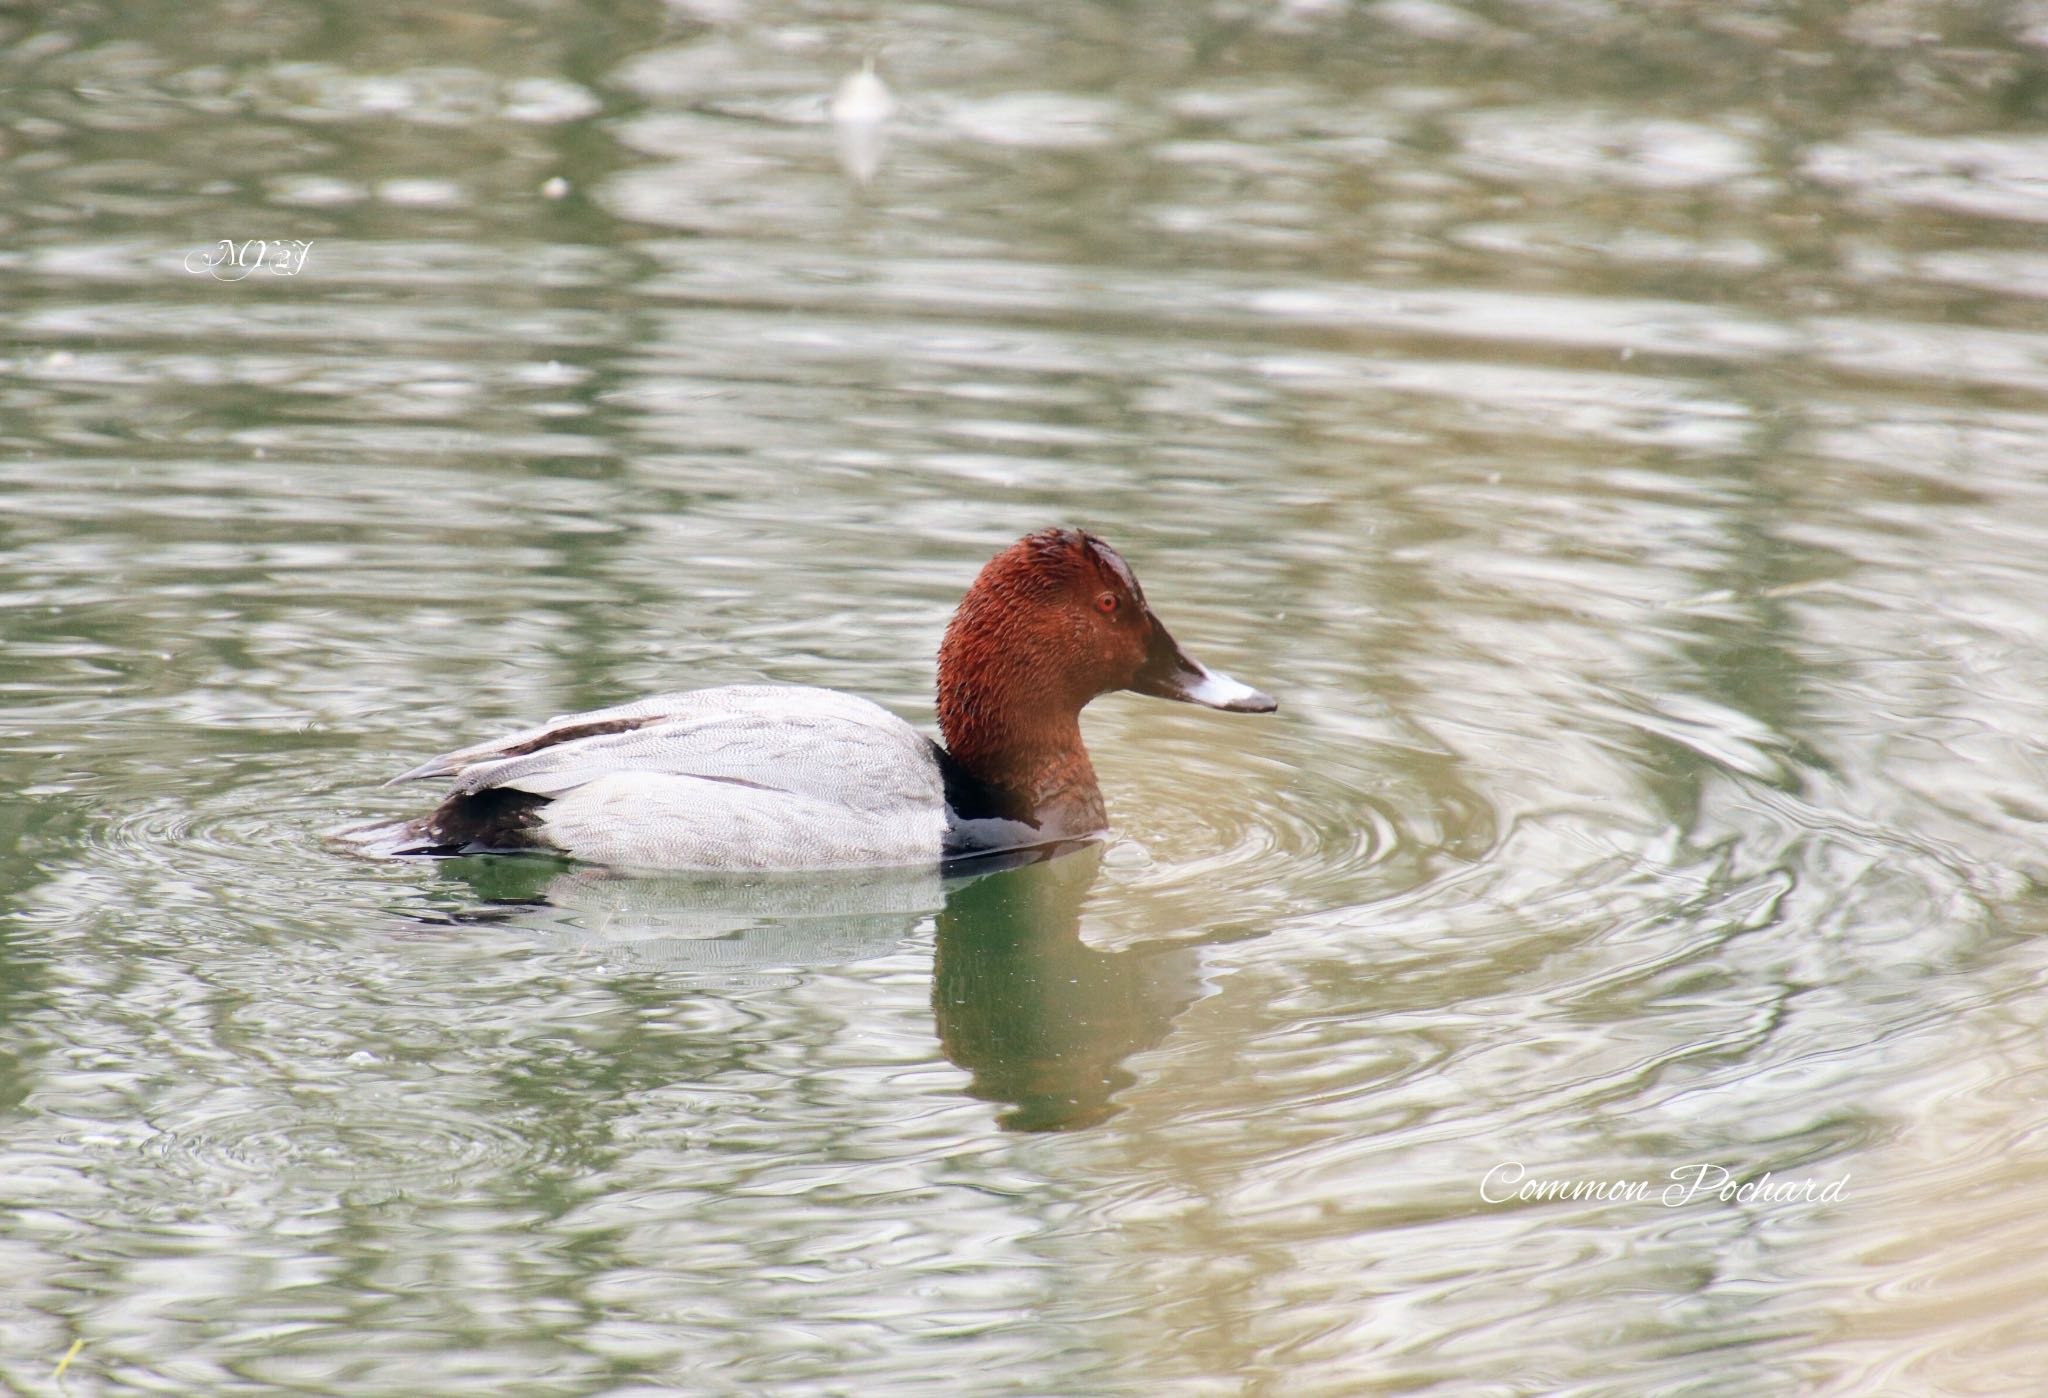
1170	673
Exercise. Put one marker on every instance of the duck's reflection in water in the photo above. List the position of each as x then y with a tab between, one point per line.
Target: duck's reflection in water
1042	1021
717	929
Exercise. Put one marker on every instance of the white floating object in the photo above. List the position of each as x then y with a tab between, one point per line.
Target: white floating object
861	109
863	99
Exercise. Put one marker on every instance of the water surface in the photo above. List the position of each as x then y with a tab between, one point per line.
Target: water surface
1615	434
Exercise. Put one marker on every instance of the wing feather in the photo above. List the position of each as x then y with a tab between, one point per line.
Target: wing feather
560	728
816	744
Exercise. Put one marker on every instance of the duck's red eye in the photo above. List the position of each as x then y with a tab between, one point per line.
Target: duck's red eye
1106	604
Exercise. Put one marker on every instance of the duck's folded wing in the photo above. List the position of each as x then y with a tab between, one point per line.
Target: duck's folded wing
813	743
559	729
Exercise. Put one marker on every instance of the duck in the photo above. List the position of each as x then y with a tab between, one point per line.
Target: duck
760	777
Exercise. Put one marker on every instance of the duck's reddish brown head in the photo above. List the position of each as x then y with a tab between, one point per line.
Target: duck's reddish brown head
1052	621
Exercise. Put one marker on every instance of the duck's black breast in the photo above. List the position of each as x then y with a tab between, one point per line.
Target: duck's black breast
990	826
984	820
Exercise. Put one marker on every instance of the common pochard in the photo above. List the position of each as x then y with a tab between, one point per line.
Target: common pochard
757	777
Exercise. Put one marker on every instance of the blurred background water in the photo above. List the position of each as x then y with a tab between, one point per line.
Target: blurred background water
1614	430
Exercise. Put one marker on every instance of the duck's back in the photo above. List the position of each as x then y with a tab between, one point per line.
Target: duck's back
740	777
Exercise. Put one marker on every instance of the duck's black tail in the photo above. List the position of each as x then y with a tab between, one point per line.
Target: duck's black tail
496	820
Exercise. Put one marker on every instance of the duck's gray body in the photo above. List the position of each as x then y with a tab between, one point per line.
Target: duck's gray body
742	777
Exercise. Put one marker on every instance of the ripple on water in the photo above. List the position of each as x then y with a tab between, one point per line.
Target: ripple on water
362	1145
1209	807
1598	146
237	843
1992	176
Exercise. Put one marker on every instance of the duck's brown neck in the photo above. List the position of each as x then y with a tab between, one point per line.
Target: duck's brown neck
1007	731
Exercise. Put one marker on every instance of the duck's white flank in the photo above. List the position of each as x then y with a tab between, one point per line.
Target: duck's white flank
739	777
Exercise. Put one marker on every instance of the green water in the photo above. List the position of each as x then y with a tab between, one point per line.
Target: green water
1614	433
